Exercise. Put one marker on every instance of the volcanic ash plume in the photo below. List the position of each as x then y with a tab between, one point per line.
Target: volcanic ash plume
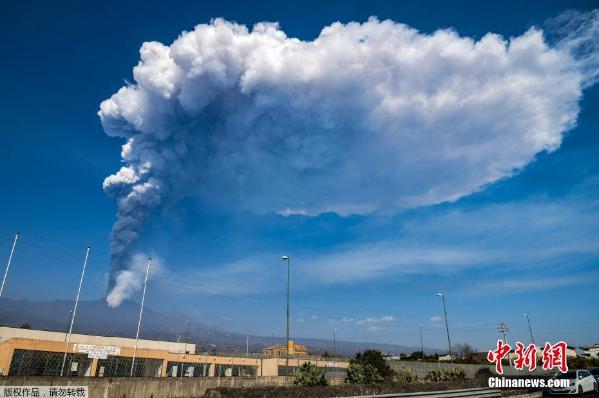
366	117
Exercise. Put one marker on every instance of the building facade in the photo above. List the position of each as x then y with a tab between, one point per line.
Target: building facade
27	352
279	351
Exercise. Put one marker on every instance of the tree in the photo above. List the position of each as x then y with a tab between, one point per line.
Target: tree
465	352
376	360
368	367
309	375
26	325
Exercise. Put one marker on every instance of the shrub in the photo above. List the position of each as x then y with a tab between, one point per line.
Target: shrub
355	374
483	374
358	373
372	375
405	375
375	359
309	375
452	374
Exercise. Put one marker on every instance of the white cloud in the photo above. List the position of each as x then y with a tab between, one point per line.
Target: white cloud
435	319
509	286
531	234
347	320
374	321
366	117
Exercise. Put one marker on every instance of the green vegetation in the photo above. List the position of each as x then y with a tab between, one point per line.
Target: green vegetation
452	374
368	367
405	375
358	373
483	374
309	375
583	363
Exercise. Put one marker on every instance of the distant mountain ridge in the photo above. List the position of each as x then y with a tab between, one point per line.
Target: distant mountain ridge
96	317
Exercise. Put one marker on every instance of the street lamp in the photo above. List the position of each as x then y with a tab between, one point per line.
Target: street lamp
185	350
334	341
286	258
529	328
446	325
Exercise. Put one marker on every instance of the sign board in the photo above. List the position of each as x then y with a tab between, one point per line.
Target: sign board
97	351
44	391
332	364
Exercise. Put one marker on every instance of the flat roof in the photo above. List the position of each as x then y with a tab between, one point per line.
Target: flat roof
7	333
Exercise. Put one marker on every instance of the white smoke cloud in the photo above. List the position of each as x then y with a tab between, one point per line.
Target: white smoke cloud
366	117
130	280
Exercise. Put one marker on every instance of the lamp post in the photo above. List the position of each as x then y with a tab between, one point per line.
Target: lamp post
141	311
446	325
286	258
334	342
529	328
421	342
185	350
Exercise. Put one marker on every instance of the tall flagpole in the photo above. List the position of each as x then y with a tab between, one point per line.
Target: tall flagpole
14	243
66	345
141	311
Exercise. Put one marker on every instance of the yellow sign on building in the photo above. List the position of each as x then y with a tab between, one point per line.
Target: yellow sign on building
278	350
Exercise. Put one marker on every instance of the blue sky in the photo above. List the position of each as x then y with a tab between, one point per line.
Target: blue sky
526	242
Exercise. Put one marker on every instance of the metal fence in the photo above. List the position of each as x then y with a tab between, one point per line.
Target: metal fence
234	370
188	369
117	366
47	363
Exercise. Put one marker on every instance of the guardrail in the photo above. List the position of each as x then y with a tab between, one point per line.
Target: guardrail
466	393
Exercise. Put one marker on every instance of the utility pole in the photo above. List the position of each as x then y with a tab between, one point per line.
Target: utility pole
502	328
12	251
421	342
141	311
446	325
66	345
529	328
247	346
286	258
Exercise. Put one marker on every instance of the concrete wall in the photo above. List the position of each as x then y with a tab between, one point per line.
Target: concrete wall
422	368
147	387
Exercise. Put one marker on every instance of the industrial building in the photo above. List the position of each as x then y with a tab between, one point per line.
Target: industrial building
279	351
28	352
